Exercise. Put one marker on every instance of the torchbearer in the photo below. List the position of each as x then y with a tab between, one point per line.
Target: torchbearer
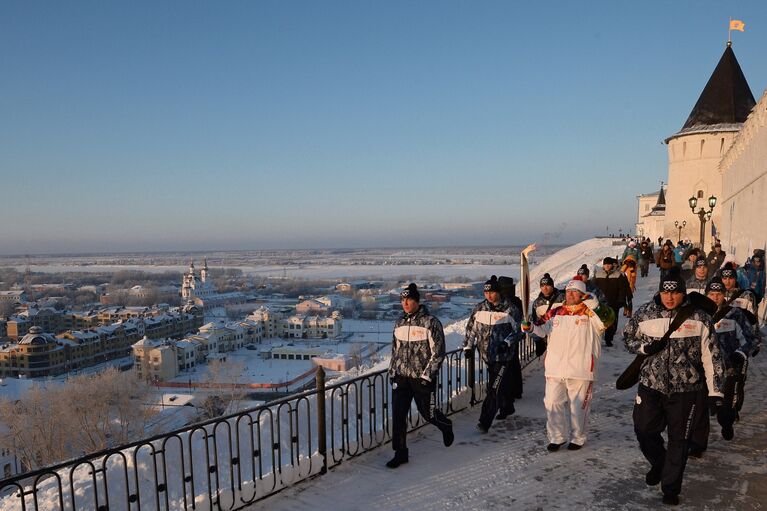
574	331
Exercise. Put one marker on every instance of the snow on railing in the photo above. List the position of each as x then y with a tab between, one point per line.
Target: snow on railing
231	462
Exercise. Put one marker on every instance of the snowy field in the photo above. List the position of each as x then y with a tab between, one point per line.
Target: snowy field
472	263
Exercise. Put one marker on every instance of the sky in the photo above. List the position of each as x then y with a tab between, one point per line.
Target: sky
188	125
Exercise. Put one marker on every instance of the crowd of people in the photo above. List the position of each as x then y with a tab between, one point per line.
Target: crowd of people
692	340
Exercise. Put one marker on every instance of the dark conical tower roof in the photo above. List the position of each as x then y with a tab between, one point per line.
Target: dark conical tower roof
660	204
726	99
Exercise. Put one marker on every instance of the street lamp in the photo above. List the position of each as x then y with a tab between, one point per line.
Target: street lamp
703	215
680	227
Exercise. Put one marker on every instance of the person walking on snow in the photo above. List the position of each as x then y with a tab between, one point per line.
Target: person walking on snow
737	341
673	380
752	276
617	291
418	349
549	298
715	258
494	329
574	330
645	257
699	279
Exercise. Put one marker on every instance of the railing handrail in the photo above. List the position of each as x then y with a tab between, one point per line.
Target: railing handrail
358	420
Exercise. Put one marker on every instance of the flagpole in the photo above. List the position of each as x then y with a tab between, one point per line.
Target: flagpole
729	32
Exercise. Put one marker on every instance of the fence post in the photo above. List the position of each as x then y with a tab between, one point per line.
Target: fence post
322	448
471	378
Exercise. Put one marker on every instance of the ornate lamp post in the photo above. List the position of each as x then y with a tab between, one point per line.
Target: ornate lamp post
703	215
680	227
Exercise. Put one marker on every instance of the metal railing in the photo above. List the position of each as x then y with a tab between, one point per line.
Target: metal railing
231	462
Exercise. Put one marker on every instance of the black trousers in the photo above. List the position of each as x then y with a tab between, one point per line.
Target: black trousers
701	427
408	389
610	332
515	388
644	267
734	392
499	394
655	412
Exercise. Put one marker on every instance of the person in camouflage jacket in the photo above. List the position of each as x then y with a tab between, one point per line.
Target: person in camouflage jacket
673	380
418	349
493	328
549	298
737	340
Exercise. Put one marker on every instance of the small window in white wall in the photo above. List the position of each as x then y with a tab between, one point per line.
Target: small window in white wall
702	143
684	148
700	194
721	146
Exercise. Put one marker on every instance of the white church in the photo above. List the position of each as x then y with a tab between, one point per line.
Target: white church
718	164
202	293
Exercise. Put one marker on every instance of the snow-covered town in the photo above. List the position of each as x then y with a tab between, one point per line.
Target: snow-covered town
346	256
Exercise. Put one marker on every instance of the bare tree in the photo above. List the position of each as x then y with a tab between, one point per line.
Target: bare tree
86	414
223	378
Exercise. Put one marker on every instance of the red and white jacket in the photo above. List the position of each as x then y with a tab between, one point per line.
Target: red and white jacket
574	333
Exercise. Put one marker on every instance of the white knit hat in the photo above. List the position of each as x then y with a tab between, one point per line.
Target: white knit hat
577	285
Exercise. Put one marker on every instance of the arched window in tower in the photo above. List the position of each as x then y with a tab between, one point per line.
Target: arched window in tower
700	194
702	143
721	146
684	148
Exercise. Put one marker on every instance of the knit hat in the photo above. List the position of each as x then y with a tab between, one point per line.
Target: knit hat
546	280
669	243
700	262
715	285
492	285
576	284
673	282
609	260
583	270
727	271
411	292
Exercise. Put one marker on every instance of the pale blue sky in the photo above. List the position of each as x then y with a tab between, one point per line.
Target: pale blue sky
235	125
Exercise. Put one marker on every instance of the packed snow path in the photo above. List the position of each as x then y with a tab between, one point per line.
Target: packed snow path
510	468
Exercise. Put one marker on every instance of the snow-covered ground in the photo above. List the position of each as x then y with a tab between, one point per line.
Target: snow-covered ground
509	468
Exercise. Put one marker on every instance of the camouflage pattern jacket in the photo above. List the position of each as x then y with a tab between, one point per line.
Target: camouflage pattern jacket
691	359
418	346
494	330
735	333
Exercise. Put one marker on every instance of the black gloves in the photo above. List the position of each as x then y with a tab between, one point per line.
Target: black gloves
655	347
540	347
715	403
468	353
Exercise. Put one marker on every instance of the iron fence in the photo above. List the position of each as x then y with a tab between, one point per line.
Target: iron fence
231	462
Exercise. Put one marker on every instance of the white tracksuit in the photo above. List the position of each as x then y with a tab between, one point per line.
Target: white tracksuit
574	334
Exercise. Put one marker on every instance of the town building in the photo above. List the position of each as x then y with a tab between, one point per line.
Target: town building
297	326
651	216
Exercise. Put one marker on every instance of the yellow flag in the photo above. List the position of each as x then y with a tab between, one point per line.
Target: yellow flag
737	25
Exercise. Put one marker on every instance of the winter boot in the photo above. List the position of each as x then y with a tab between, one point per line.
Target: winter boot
552	447
670	499
727	432
400	457
653	477
573	447
482	428
448	437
